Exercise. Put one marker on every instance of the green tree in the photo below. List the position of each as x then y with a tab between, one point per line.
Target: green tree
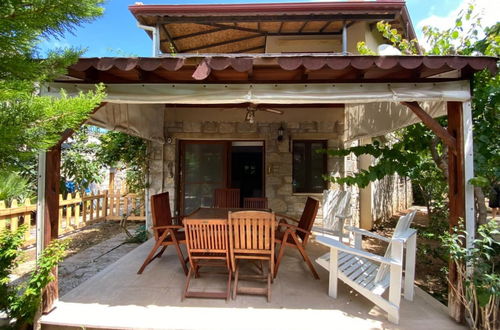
78	161
29	122
126	152
418	142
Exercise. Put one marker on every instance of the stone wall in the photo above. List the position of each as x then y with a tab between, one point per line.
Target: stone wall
278	155
388	196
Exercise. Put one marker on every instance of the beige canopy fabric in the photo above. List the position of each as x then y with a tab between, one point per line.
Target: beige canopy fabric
273	93
142	120
371	109
379	118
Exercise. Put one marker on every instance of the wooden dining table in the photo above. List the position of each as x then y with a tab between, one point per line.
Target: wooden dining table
206	213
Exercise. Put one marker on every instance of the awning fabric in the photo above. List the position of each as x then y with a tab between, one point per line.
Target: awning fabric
370	109
274	93
142	120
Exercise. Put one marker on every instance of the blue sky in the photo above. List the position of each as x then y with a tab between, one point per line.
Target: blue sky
116	33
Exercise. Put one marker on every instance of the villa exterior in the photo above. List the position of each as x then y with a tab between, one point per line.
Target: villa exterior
243	95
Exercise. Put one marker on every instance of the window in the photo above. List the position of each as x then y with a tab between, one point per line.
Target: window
308	166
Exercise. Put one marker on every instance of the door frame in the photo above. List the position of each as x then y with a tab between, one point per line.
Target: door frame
227	162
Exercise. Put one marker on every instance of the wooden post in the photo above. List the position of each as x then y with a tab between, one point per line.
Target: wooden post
458	138
50	217
105	207
456	195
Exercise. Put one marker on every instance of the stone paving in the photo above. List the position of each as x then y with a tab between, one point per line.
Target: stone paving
78	268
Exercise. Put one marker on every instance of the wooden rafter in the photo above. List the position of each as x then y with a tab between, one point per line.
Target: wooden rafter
325	26
303	26
220	43
199	33
234	27
430	122
169	38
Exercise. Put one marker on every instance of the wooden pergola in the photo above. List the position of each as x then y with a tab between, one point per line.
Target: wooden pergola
306	69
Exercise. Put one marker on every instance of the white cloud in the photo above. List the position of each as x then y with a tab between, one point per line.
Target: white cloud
488	10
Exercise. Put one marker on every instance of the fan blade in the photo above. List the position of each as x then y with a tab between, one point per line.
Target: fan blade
279	112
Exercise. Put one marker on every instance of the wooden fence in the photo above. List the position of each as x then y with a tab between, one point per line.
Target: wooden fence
75	211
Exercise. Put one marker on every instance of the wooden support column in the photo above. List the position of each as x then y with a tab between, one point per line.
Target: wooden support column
458	139
456	195
51	217
48	207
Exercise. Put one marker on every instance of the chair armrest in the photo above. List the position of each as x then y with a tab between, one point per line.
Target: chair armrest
293	227
278	215
167	227
332	243
406	235
367	233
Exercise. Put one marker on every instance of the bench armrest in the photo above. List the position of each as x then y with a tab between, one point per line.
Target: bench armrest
332	243
367	233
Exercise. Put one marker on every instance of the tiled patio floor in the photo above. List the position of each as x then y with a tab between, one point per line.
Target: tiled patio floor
119	298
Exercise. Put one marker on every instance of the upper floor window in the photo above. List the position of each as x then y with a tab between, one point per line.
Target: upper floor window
309	166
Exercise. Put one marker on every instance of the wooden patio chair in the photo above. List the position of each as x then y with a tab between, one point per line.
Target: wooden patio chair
165	233
371	274
255	202
227	198
251	237
297	235
207	245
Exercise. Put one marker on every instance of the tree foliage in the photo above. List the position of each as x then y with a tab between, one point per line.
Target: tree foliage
21	302
127	152
79	164
479	293
29	122
418	142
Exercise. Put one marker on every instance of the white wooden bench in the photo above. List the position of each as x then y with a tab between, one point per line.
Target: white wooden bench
336	211
371	274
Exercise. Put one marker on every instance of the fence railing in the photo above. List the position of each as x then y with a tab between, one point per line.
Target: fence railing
75	211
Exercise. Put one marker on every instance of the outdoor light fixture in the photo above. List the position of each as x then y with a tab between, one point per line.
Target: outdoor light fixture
250	116
281	132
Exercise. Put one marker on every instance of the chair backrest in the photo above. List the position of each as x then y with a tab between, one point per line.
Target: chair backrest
307	219
330	201
160	211
251	233
206	238
402	226
335	202
227	197
255	202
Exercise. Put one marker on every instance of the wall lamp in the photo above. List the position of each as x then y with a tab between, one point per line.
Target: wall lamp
281	133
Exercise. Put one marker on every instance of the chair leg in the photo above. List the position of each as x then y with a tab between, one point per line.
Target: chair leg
186	286
181	259
150	257
305	256
278	260
228	288
159	254
235	285
269	279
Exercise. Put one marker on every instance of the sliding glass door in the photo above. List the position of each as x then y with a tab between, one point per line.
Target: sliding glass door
203	168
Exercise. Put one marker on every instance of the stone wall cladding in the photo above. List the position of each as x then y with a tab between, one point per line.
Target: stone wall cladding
278	156
390	195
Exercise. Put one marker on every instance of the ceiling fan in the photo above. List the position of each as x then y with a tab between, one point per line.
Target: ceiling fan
252	108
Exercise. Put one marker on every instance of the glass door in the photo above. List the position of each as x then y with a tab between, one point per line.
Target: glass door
203	169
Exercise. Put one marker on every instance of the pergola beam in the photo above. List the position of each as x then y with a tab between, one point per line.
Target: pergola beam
430	122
